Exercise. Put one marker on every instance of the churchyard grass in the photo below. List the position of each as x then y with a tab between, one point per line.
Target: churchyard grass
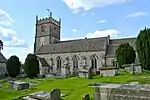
74	87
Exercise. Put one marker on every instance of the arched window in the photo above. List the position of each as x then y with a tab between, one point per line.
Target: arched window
93	62
43	28
75	62
58	62
42	41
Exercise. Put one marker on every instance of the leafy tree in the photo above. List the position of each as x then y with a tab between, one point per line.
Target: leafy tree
13	66
1	44
125	54
31	65
143	48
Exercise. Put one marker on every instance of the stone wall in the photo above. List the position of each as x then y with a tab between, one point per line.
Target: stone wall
122	92
80	55
3	69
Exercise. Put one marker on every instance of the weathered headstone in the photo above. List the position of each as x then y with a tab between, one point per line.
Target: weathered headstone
109	72
83	73
55	94
64	71
96	93
123	92
39	96
133	69
90	73
17	85
86	97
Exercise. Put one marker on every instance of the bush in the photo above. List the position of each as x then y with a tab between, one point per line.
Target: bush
143	48
31	65
125	54
13	66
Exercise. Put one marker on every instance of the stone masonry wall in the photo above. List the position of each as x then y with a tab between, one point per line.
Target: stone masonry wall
80	55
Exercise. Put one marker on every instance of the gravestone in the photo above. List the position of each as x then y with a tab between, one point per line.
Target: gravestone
96	93
64	71
83	73
42	95
39	96
86	97
109	72
17	85
122	92
55	94
90	73
132	66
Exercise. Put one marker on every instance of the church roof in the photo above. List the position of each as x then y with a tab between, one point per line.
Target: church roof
111	50
2	58
114	44
43	62
80	45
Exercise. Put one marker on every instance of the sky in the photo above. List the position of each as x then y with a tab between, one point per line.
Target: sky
80	19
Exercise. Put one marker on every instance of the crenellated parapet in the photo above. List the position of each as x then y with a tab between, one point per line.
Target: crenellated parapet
48	20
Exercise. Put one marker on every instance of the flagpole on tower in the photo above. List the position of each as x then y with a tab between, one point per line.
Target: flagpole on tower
49	13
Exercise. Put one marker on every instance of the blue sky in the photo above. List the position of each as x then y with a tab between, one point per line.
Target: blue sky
80	18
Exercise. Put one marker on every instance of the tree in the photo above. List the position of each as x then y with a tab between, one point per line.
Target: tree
31	65
143	48
13	66
1	45
125	54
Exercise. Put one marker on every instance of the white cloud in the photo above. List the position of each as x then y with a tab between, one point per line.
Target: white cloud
12	44
101	21
5	18
102	33
97	33
75	30
78	5
20	52
4	31
137	14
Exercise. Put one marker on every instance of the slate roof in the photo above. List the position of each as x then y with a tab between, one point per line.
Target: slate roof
43	62
81	45
114	44
111	50
2	58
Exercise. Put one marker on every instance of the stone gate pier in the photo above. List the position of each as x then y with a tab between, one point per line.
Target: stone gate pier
122	92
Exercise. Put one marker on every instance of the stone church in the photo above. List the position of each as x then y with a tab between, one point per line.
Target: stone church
74	55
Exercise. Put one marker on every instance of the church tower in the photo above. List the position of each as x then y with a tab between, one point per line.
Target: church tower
47	31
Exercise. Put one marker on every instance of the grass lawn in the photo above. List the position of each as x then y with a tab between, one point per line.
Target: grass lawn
74	87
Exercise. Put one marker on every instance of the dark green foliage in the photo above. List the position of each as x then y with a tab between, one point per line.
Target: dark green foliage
13	66
125	54
31	65
143	48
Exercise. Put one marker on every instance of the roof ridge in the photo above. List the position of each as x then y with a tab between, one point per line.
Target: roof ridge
124	38
82	39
